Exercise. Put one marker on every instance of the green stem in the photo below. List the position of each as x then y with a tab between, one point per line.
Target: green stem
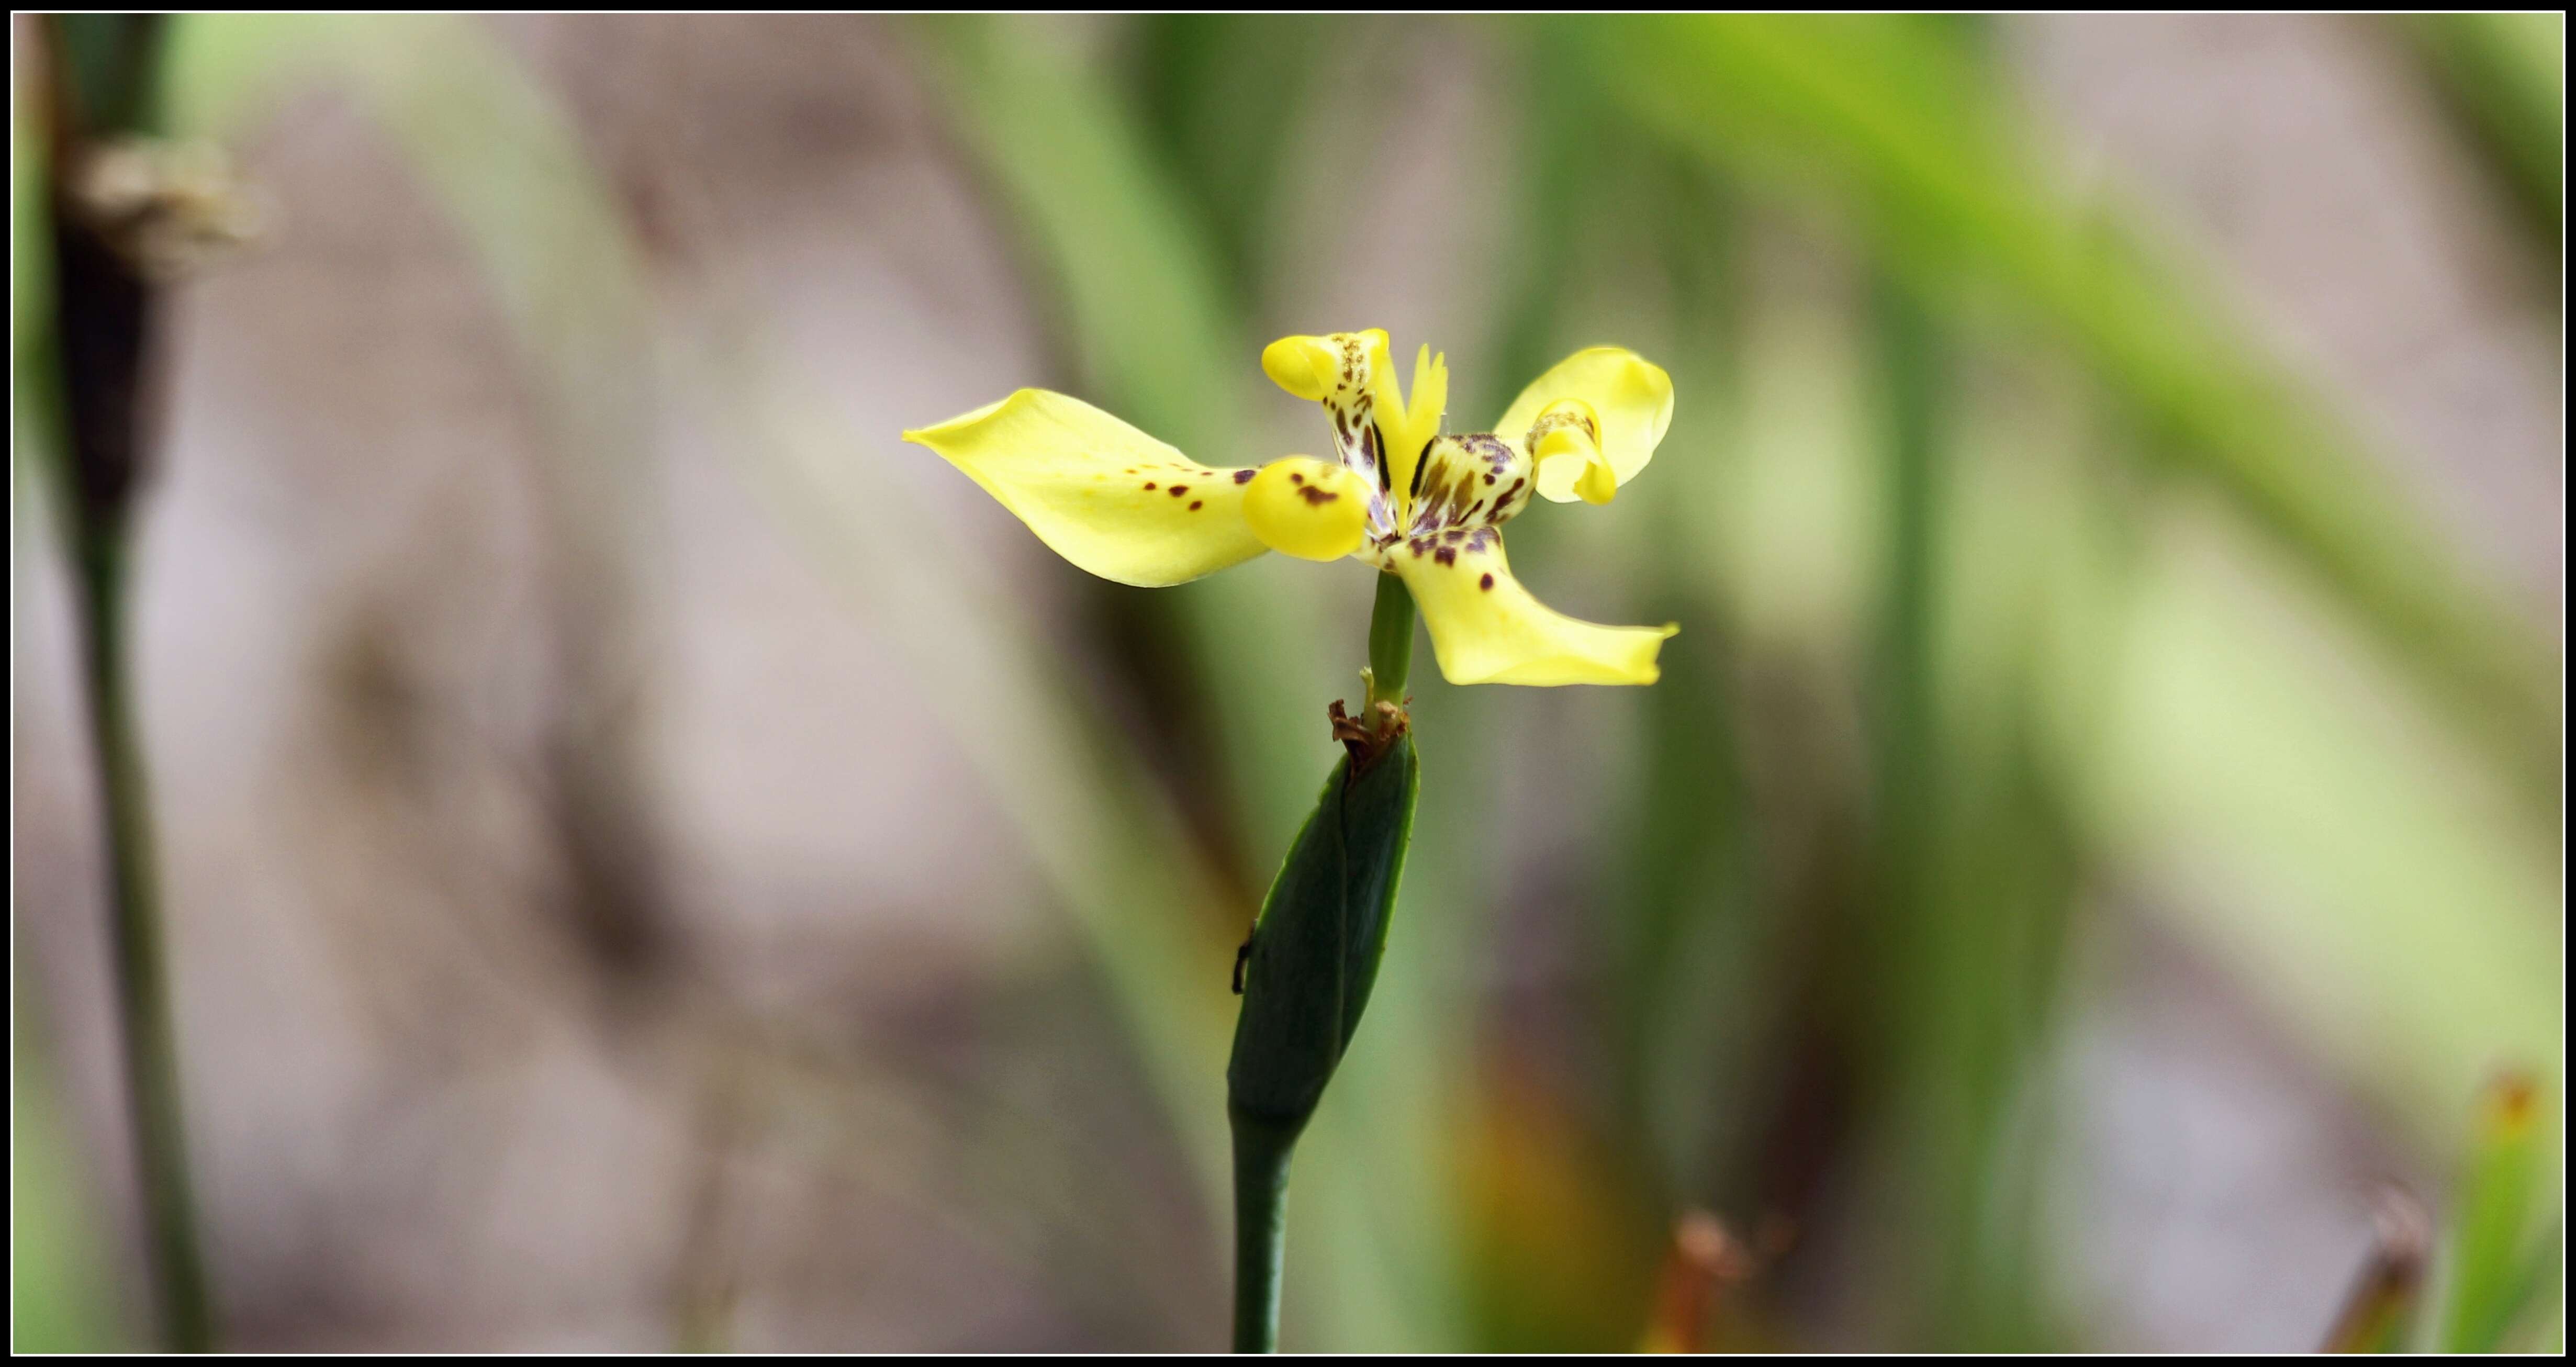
1262	1149
105	70
1390	641
142	977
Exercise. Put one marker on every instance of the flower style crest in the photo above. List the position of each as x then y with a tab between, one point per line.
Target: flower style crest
1398	493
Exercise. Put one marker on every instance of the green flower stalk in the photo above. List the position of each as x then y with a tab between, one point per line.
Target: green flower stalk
1425	508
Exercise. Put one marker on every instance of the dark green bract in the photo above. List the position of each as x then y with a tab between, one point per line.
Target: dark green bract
1315	950
1306	978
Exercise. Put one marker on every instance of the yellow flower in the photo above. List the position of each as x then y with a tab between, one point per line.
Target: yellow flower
1398	493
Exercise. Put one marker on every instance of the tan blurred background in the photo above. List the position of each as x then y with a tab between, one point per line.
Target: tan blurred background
651	860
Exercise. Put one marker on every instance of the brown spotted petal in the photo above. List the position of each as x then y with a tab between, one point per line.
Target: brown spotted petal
1486	628
1102	494
1465	482
1348	373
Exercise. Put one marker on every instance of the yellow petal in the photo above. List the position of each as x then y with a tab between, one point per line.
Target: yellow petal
1597	484
1098	492
1632	395
1566	432
1311	509
1410	419
1486	628
1308	367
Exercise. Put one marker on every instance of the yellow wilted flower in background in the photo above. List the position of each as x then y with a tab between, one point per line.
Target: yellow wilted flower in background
1399	493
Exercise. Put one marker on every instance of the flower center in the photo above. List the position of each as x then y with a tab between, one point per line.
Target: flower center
1475	480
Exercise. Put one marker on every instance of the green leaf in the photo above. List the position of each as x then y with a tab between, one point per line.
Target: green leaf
1315	950
2492	1257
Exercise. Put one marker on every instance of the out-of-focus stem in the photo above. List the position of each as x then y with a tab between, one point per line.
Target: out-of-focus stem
103	73
1390	641
142	972
1702	1265
2375	1314
1262	1149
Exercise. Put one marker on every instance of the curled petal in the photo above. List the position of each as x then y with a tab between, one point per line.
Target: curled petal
1569	431
1098	492
1486	628
1308	367
1632	398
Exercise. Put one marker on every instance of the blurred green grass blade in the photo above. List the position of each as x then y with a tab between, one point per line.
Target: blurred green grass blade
1141	315
1557	168
1135	283
1973	880
1913	380
1689	941
1940	172
1976	875
2530	1307
60	1293
1927	1036
1222	97
2508	74
1697	944
2492	1253
2342	863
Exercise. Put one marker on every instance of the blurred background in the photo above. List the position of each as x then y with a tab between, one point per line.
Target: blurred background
650	860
